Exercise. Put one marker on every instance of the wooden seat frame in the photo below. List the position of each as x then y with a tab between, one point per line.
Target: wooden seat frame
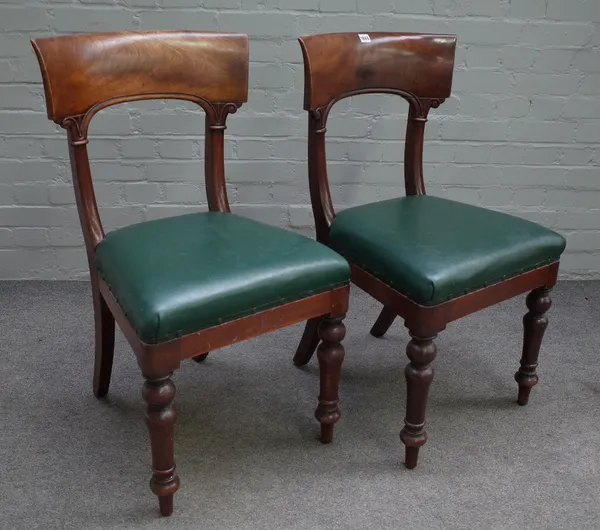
417	67
86	73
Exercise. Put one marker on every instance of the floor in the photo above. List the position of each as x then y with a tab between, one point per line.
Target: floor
246	443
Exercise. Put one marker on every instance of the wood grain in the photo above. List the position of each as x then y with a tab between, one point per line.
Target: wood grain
80	71
338	64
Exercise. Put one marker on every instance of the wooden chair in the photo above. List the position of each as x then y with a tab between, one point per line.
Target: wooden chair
427	259
182	286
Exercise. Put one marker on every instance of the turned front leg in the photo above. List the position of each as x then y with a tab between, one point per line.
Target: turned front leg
419	373
330	354
535	323
160	419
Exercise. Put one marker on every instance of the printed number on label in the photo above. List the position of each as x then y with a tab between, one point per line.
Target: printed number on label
364	37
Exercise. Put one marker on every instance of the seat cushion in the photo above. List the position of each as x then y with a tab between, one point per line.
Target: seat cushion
434	249
182	274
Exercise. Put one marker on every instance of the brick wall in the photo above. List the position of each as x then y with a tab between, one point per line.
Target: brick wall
521	133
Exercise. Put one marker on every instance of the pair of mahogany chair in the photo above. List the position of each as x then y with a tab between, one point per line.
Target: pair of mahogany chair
183	286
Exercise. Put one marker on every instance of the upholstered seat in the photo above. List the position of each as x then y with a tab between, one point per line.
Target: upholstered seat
183	274
433	249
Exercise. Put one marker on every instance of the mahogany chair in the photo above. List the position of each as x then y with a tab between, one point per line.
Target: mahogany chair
426	259
182	286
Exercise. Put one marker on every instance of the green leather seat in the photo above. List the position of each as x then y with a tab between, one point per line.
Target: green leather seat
433	249
182	274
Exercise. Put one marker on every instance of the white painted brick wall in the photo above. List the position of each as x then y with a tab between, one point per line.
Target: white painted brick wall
520	134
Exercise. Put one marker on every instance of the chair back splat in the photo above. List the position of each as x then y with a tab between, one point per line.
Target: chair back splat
86	73
417	67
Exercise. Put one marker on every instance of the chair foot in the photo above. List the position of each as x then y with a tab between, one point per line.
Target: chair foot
166	505
419	374
384	321
160	419
308	342
523	397
535	323
200	358
326	433
331	355
411	457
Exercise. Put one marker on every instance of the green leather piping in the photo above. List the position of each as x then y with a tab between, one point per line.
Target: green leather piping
251	311
451	296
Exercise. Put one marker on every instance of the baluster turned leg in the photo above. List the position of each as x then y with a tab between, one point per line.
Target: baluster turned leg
330	354
419	373
535	323
160	418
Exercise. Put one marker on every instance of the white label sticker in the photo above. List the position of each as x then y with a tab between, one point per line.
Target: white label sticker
364	37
